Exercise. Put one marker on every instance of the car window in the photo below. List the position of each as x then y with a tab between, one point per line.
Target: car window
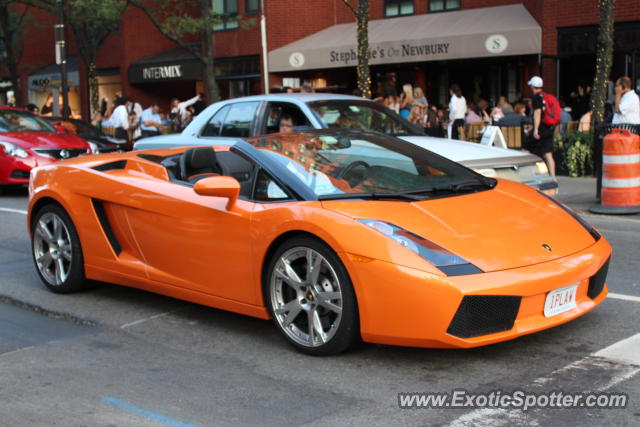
367	115
238	121
276	110
22	121
213	127
267	190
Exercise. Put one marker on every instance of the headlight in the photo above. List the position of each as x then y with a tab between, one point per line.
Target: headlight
541	168
446	261
590	228
94	147
491	173
13	150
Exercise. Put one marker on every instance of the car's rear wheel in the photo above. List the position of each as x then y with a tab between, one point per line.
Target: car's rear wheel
310	297
56	250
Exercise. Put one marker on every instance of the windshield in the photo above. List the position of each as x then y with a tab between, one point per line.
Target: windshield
367	115
340	164
22	121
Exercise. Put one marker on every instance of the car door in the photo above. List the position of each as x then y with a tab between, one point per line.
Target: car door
195	242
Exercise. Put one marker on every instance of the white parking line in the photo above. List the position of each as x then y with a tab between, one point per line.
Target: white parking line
621	360
18	211
623	297
625	351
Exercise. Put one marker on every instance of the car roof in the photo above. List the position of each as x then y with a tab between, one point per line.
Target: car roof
300	97
6	107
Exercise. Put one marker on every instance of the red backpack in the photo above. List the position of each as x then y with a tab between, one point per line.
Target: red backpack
551	112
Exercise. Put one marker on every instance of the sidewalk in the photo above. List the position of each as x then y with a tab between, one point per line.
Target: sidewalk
580	194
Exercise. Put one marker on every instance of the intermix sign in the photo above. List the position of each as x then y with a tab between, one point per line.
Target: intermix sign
164	72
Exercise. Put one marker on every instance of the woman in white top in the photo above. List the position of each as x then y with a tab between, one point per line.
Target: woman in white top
457	111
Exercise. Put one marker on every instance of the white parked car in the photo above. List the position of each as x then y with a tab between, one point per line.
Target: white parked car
227	121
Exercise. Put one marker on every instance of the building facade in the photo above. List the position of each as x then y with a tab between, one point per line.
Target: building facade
489	47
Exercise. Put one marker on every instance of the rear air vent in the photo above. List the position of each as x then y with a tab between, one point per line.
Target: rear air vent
118	164
106	226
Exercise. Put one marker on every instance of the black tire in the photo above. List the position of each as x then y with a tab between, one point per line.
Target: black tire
74	280
347	333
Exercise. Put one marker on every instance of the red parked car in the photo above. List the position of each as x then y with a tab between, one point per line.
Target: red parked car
27	141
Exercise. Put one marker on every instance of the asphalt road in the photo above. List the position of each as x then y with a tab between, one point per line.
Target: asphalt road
117	356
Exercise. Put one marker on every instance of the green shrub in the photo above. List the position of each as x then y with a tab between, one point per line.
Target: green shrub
574	154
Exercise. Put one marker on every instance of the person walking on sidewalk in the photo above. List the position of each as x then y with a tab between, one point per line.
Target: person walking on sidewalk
541	138
457	111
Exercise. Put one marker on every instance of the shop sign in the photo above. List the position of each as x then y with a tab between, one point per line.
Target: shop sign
163	72
5	84
496	43
45	81
377	54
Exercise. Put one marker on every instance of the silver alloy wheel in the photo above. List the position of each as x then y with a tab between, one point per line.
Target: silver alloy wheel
306	296
52	248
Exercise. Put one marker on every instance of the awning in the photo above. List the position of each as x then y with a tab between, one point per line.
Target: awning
49	76
169	65
486	32
178	63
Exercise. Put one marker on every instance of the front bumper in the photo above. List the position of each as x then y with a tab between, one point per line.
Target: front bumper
15	170
404	306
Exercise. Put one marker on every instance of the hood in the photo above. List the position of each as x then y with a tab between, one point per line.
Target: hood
469	153
44	140
495	230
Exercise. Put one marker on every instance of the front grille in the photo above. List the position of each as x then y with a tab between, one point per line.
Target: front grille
60	153
596	282
18	174
484	314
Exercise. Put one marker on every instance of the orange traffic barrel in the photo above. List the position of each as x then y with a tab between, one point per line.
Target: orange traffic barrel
620	173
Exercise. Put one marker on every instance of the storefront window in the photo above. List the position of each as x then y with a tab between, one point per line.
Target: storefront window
252	6
442	5
228	14
108	86
397	8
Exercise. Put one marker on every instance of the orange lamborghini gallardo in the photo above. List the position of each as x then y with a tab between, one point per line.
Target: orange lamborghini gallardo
338	236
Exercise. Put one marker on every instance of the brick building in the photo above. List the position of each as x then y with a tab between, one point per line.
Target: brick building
489	47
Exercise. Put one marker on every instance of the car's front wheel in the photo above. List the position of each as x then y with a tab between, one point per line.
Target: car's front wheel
56	250
310	297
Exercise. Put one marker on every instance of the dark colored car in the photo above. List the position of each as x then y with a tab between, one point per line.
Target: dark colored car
27	141
99	142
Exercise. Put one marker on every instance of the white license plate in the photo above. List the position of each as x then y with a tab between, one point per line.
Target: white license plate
560	300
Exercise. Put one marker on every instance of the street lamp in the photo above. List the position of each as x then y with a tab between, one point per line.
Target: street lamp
265	58
61	59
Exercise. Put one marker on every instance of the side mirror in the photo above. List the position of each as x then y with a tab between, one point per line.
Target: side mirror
219	186
60	128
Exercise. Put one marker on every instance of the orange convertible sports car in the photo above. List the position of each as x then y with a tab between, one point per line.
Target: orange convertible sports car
336	235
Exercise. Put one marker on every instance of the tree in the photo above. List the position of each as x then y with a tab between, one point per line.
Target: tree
180	22
12	27
362	35
604	58
92	21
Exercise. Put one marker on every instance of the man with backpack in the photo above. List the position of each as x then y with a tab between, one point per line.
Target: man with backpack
546	115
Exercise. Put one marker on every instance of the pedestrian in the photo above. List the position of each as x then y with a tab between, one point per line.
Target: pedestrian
180	108
515	118
546	114
136	109
391	98
120	118
151	121
457	111
473	114
418	96
627	103
47	107
200	104
406	100
33	108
